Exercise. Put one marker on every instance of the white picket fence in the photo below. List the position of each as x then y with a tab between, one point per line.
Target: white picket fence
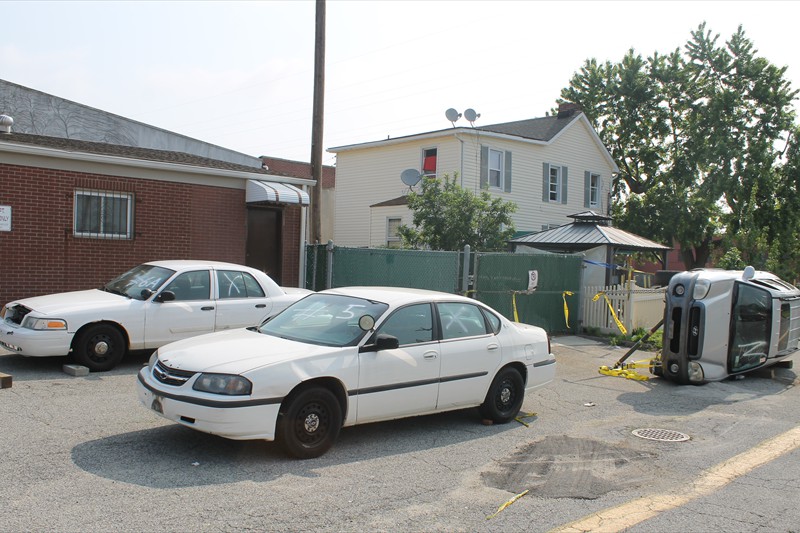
636	307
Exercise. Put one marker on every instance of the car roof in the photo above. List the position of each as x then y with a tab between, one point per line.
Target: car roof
180	264
397	295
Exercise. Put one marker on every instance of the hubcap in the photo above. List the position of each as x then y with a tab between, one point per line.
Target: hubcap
101	348
505	395
311	423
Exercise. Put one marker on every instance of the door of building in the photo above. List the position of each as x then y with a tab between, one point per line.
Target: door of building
264	240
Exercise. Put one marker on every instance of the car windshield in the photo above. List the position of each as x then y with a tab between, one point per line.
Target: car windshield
138	279
325	319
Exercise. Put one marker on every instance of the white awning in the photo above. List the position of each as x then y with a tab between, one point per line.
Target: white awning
270	191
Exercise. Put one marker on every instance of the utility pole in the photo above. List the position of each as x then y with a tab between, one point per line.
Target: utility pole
317	122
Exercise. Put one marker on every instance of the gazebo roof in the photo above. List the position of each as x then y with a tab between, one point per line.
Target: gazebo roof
589	229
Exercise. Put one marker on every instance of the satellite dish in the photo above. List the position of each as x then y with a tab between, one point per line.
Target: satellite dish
452	115
471	115
410	176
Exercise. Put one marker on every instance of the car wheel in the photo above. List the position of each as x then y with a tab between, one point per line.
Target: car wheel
504	399
99	347
310	423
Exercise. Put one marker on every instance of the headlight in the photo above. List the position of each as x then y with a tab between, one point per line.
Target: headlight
153	360
3	312
695	372
223	384
678	290
44	323
701	288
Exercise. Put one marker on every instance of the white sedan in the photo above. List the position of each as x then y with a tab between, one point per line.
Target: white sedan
348	356
150	305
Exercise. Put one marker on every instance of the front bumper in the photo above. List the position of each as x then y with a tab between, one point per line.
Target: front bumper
229	417
34	343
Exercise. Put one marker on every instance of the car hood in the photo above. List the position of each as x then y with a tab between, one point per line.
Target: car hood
235	351
65	303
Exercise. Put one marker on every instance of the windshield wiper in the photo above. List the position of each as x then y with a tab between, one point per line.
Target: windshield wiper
114	291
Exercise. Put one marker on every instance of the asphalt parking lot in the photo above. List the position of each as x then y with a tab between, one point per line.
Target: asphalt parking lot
81	454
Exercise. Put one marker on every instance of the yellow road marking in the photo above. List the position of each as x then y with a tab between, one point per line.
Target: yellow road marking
636	511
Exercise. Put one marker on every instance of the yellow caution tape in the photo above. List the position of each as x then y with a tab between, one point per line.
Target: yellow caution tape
525	415
566	309
611	308
509	502
514	305
626	370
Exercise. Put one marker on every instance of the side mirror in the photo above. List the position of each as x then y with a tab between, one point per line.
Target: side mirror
382	342
146	293
165	296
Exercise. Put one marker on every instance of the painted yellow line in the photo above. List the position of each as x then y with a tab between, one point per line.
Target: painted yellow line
636	511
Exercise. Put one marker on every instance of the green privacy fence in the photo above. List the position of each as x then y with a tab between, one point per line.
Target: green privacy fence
420	269
502	280
497	279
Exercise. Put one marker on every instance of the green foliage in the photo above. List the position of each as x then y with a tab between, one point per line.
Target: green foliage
653	344
448	217
696	136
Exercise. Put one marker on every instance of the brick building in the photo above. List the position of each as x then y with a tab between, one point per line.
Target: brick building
77	213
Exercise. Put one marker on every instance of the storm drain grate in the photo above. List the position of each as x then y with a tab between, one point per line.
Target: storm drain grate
664	435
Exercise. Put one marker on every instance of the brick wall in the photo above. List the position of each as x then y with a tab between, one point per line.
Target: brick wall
171	221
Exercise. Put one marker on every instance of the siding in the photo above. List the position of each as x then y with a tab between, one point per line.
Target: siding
371	175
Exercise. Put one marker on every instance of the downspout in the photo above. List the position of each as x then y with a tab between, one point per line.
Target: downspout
461	163
301	279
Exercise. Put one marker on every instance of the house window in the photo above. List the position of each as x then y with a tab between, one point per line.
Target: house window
592	189
392	237
496	168
104	215
429	162
554	190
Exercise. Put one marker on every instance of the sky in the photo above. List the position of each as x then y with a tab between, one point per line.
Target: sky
240	74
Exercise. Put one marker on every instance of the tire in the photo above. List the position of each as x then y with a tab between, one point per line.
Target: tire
100	347
309	423
505	396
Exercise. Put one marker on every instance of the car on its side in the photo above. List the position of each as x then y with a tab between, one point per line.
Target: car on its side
723	323
150	305
348	356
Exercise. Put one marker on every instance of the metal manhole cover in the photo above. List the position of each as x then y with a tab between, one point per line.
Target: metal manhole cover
664	435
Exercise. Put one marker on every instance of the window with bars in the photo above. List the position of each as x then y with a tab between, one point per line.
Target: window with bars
103	215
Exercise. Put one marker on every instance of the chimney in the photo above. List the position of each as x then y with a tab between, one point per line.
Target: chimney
5	123
567	109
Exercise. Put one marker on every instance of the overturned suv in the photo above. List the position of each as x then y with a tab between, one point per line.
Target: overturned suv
720	323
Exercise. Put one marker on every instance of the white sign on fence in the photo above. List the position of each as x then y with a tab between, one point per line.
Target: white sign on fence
5	218
533	279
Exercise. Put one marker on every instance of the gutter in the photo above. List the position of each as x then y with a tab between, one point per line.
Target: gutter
144	163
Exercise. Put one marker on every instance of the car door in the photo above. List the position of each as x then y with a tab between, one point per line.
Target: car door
191	313
403	381
241	301
470	353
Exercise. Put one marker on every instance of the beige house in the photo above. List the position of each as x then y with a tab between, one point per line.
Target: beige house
551	167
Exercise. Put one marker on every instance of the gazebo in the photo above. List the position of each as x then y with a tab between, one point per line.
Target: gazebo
591	234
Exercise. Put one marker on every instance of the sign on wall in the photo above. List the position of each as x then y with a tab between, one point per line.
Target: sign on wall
5	218
533	280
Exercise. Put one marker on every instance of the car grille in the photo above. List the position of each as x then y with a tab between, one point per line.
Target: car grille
171	376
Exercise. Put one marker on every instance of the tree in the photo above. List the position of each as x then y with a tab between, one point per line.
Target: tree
448	217
696	136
